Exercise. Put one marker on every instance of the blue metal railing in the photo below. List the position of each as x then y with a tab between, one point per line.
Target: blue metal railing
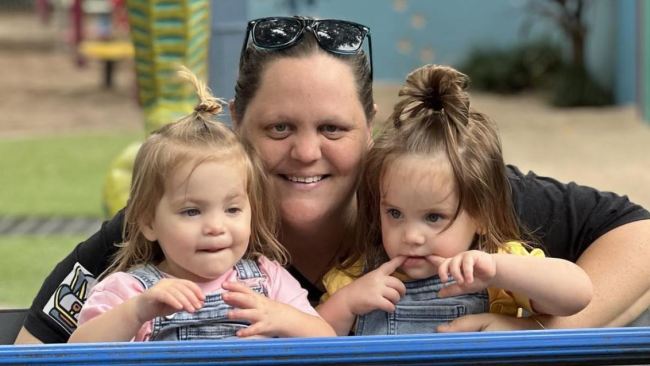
577	347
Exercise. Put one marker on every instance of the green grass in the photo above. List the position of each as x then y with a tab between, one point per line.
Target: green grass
25	264
49	176
60	176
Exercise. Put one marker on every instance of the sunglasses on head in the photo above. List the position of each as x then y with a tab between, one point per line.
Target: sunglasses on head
336	36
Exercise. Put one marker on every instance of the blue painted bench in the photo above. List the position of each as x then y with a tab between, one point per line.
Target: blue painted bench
576	347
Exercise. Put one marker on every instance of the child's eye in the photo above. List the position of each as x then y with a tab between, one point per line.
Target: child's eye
191	212
433	217
396	214
233	210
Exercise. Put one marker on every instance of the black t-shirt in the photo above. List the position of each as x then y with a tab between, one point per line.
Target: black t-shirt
566	218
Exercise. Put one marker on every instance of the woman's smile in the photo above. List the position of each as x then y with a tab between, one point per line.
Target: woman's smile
305	180
307	183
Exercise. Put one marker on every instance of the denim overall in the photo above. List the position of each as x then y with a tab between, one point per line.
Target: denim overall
421	311
209	322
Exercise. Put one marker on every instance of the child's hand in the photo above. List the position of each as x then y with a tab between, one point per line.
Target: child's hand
473	271
168	296
267	317
376	289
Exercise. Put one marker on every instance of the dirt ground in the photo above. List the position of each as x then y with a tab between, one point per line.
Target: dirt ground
42	91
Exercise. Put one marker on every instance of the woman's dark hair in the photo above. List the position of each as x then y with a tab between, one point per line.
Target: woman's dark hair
255	60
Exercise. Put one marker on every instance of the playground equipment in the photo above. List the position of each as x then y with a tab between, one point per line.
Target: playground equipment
109	52
93	30
164	35
107	42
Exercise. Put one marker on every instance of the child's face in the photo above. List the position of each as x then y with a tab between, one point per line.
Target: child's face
203	220
418	200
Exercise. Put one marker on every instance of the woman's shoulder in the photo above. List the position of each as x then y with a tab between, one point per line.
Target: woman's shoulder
567	217
96	251
531	182
543	191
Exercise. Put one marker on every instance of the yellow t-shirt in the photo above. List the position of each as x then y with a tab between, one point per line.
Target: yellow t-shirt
501	301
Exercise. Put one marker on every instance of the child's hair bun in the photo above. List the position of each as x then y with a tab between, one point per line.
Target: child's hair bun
207	102
212	106
433	89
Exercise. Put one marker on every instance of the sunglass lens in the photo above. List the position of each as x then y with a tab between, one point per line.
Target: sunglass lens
340	36
275	32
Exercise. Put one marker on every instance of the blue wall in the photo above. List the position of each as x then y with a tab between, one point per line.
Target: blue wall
409	33
627	69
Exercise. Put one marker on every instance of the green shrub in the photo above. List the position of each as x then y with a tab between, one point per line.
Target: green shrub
511	70
535	65
575	87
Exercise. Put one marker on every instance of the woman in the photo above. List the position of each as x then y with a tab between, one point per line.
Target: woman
304	101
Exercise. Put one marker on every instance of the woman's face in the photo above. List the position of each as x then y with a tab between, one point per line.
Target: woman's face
310	129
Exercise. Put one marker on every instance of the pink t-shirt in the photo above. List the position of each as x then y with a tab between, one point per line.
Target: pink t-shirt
118	287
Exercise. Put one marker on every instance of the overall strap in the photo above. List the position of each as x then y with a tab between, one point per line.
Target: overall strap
148	275
248	269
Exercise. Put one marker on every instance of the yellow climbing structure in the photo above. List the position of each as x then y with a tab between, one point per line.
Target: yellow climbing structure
165	35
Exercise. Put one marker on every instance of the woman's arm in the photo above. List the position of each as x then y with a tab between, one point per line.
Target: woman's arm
25	337
618	265
54	312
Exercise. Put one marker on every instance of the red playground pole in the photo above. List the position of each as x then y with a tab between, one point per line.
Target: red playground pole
76	14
